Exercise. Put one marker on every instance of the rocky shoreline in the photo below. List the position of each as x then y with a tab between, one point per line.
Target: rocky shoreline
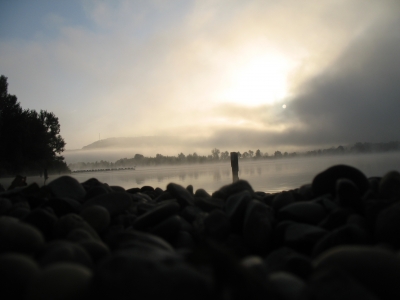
335	238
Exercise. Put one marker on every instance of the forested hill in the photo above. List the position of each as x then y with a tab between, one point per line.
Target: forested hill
130	142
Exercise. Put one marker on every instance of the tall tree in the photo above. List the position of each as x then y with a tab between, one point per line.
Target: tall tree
30	141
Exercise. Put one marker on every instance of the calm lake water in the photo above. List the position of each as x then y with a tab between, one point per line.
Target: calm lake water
263	175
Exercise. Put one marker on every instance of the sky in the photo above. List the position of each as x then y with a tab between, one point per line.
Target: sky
230	74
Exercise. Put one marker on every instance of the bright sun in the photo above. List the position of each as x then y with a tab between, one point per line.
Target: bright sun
260	80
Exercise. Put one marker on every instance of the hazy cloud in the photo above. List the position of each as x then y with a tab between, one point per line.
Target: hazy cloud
137	68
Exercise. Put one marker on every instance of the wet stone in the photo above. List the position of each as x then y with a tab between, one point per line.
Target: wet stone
134	276
387	228
182	195
63	206
189	188
96	191
202	193
156	215
5	206
96	216
168	228
345	235
234	188
257	230
335	219
288	260
70	222
208	204
216	225
91	183
302	237
129	239
117	188
282	199
16	236
285	286
17	271
43	220
303	212
114	202
389	185
61	281
235	208
325	182
63	251
336	284
347	194
375	269
67	187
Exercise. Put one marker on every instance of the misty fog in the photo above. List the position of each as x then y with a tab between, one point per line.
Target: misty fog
264	175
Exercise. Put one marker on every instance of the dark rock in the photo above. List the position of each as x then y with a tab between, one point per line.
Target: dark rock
63	251
208	204
146	188
114	202
387	228
70	222
43	220
5	206
234	188
336	284
287	260
96	191
303	212
202	193
135	276
17	271
91	183
216	225
285	286
257	230
63	206
163	196
96	216
348	194
67	187
95	249
16	236
325	182
389	186
190	213
117	188
128	239
345	235
375	269
302	237
65	281
189	188
133	190
183	197
282	199
335	219
156	215
168	228
235	208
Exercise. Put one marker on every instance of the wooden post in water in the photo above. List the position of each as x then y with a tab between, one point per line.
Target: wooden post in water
235	166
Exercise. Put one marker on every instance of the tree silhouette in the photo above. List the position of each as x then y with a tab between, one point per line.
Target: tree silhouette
215	153
30	141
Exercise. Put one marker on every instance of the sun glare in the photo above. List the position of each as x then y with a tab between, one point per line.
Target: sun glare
262	80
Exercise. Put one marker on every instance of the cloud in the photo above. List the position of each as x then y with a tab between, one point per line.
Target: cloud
145	68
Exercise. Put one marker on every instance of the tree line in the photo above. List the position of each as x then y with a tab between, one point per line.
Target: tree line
30	141
219	156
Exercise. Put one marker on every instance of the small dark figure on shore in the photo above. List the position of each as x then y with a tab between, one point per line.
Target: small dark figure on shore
17	182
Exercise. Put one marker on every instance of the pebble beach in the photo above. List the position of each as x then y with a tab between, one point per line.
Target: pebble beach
337	237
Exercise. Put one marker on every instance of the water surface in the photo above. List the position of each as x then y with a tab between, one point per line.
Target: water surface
264	175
